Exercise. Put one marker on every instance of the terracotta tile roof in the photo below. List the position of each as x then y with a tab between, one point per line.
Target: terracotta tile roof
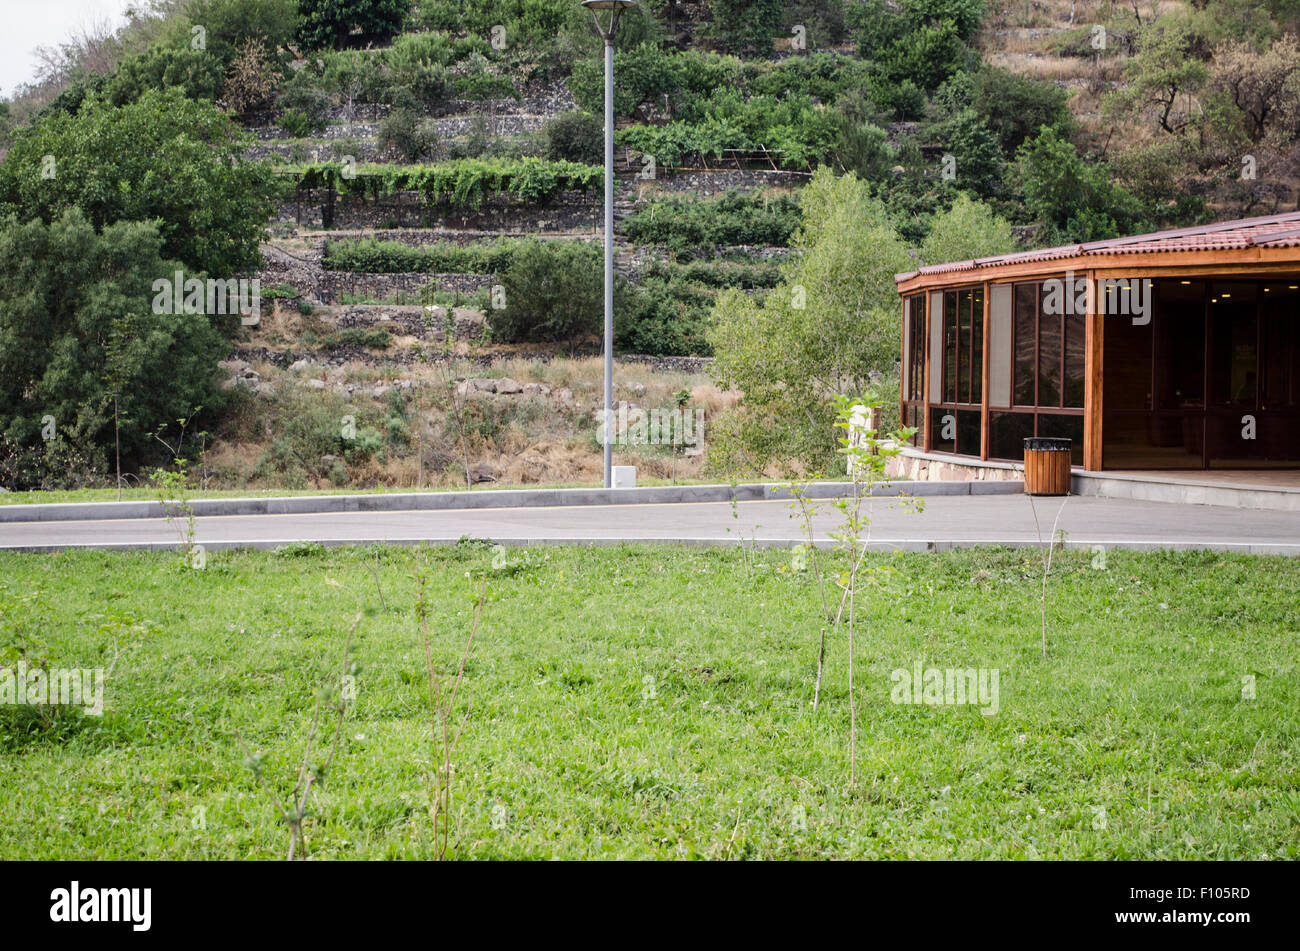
1270	231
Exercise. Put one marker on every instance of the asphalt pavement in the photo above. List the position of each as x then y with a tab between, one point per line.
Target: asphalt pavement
944	522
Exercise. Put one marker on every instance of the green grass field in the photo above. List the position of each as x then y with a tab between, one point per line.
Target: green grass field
656	702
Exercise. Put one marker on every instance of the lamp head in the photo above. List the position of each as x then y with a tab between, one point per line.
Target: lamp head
615	8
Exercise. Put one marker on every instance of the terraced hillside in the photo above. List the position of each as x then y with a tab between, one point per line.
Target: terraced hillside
438	188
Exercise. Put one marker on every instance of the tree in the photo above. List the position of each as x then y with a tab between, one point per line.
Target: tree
197	73
252	80
575	137
163	158
1261	85
229	24
926	55
77	331
747	23
966	231
554	291
975	151
1075	199
830	328
328	24
1163	69
964	15
1016	107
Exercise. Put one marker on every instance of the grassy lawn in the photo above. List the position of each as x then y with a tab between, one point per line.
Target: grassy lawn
656	702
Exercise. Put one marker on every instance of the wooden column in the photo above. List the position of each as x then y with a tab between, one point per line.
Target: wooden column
1093	375
904	377
925	375
984	388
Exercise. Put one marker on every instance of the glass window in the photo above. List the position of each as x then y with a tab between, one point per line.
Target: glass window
964	327
977	346
1050	349
1007	435
950	344
1180	343
1075	359
1280	336
943	429
1064	426
1026	343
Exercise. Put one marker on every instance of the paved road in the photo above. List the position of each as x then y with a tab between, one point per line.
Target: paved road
945	522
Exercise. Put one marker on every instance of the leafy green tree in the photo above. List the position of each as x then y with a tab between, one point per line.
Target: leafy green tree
164	157
830	328
554	291
1016	107
328	24
196	73
575	137
229	24
964	15
645	76
1075	199
1164	69
926	56
875	25
747	23
67	294
975	151
967	230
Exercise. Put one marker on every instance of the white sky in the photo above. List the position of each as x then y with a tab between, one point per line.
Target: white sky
32	23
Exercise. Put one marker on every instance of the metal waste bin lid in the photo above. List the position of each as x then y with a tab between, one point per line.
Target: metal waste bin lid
1047	443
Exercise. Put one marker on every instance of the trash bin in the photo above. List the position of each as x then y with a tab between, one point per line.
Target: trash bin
1047	465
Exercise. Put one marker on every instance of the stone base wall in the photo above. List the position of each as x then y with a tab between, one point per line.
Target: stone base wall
915	468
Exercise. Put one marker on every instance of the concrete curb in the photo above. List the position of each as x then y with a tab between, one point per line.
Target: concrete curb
1186	492
488	498
931	546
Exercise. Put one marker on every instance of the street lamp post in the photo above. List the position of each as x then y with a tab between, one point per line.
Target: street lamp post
615	8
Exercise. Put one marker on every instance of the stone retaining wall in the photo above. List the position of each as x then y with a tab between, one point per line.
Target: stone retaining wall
568	211
334	284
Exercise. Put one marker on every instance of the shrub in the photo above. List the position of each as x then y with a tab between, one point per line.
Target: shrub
664	317
76	328
328	24
1017	107
925	56
198	74
252	79
553	292
743	24
303	95
297	124
687	226
184	161
1076	199
418	62
358	337
407	135
371	256
485	86
575	137
975	150
229	24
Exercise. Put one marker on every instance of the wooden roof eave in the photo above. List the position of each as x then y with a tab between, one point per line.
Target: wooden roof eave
1190	263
